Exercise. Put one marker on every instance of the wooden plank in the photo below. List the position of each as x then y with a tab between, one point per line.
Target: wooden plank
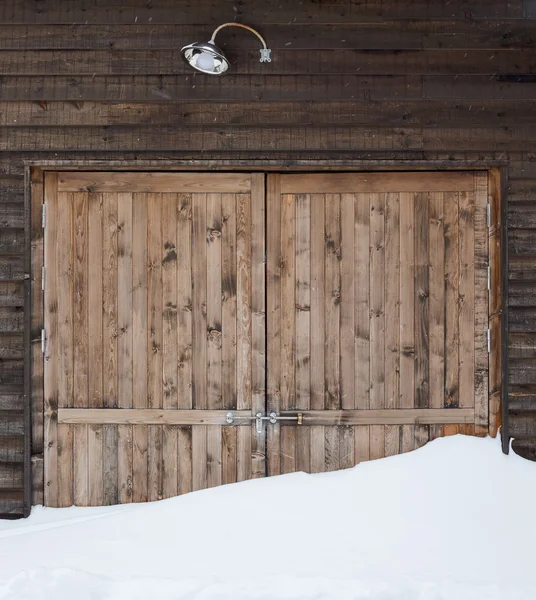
385	34
398	416
109	341
163	89
155	391
184	301
269	13
347	316
244	392
377	302
437	307
95	181
169	301
362	443
422	295
346	447
228	307
407	300
392	440
362	300
184	440
392	302
80	342
332	301
377	441
325	183
65	270
452	281
51	383
170	468
481	262
332	449
273	317
258	319
11	294
183	110
214	333
286	61
317	321
125	380
303	300
139	342
466	314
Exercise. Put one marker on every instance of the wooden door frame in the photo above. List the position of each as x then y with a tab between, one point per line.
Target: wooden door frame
33	263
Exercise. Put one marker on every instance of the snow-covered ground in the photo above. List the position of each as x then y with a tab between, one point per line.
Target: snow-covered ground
454	520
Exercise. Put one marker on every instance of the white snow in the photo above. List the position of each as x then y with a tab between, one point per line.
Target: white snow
454	520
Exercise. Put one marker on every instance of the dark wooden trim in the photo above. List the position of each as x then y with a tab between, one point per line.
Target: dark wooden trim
505	430
27	346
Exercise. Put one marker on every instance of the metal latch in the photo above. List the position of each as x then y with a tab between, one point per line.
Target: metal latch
272	418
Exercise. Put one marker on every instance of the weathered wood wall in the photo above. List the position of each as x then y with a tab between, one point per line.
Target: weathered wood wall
393	79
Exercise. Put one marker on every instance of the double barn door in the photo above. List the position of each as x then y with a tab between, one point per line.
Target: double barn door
207	328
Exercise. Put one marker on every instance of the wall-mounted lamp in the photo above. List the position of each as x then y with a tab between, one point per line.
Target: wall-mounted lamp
208	58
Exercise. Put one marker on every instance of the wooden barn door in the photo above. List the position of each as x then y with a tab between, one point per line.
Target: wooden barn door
377	314
154	320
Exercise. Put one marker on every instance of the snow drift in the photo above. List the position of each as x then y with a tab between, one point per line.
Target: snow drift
453	520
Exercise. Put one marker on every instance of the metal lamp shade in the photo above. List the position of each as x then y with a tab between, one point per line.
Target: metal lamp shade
198	54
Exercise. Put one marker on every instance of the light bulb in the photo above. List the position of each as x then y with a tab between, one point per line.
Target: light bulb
205	61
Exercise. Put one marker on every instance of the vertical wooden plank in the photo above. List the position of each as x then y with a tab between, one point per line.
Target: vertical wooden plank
421	435
214	303
228	308
362	300
362	443
65	259
95	341
288	327
407	438
436	250
170	468
184	442
229	457
303	301
317	328
184	301
392	302
377	301
154	340
346	445
332	448
452	282
214	327
37	317
139	342
466	314
498	309
169	300
481	261
95	465
332	314
347	335
407	300
124	342
392	440
109	341
422	294
243	328
258	319
80	342
51	364
273	317
377	442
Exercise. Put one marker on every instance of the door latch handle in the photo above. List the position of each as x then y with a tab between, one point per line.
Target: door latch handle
272	418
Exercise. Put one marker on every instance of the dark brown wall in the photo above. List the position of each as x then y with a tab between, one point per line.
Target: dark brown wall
387	79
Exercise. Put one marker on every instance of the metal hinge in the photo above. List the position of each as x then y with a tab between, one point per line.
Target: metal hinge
43	278
43	340
488	212
43	215
489	340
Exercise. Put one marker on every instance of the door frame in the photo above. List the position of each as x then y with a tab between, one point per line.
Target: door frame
33	264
